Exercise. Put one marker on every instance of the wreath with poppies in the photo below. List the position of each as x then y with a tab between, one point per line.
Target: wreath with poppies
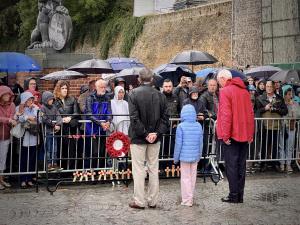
122	140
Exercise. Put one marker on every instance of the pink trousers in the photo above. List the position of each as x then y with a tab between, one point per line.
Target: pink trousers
188	182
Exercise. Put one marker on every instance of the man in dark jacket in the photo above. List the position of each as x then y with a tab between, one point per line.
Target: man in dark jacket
270	105
182	90
172	99
210	98
235	128
168	142
148	121
98	110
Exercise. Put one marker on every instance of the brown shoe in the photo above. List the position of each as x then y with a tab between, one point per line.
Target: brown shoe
135	206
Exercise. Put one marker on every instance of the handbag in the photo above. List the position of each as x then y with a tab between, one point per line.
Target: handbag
32	128
18	131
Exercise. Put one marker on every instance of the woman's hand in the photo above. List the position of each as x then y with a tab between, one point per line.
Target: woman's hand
13	122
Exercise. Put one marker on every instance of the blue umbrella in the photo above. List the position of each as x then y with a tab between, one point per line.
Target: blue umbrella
174	72
203	73
119	64
13	62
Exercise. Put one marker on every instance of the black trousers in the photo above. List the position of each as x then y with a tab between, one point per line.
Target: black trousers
235	165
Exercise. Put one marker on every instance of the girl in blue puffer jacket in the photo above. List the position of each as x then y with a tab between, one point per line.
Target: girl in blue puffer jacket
188	149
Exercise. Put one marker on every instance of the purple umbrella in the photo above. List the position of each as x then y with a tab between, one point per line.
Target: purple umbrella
119	64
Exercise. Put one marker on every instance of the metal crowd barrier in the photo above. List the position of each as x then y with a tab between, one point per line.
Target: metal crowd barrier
273	137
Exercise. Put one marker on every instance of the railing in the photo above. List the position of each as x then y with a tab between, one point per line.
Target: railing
275	139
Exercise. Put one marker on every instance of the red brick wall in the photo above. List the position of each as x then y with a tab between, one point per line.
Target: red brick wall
44	85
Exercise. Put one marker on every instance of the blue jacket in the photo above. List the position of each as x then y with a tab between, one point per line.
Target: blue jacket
99	108
189	137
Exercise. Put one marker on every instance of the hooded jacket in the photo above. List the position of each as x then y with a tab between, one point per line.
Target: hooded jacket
7	111
199	106
235	113
29	139
120	107
50	114
189	137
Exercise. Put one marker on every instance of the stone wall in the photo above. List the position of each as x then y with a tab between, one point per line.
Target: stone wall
247	32
205	28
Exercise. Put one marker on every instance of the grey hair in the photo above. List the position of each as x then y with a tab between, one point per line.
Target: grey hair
100	81
223	73
145	75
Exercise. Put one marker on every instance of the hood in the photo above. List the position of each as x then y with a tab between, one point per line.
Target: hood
25	96
193	90
237	82
188	113
84	88
6	90
119	79
285	87
251	88
116	91
47	95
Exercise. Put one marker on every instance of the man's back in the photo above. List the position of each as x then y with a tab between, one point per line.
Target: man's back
147	108
235	114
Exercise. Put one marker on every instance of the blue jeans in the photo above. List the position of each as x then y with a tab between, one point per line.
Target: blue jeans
51	149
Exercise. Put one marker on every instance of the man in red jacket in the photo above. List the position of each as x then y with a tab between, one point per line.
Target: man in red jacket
235	128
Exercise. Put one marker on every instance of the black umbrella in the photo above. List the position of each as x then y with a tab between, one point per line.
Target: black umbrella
262	71
63	75
174	72
193	58
92	66
131	76
286	76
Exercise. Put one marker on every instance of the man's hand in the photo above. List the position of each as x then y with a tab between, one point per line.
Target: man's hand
67	119
56	128
228	142
249	142
151	137
105	126
268	107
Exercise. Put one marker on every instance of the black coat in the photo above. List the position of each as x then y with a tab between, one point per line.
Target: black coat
208	101
199	107
173	106
147	109
68	108
278	105
182	93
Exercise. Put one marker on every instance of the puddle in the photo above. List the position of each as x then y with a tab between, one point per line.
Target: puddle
271	196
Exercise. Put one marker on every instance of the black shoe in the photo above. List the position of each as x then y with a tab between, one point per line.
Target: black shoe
229	200
152	206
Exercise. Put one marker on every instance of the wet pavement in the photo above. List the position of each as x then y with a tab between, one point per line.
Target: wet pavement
270	198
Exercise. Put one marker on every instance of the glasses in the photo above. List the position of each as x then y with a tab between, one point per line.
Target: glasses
32	83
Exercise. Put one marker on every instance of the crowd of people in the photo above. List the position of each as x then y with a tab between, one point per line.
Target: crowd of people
99	100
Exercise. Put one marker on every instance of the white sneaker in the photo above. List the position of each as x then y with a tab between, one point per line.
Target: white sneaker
289	169
282	168
2	187
186	204
5	184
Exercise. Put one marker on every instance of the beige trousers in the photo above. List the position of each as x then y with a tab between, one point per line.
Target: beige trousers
141	153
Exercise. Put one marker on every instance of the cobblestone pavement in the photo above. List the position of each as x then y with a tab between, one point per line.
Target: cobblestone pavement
269	199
